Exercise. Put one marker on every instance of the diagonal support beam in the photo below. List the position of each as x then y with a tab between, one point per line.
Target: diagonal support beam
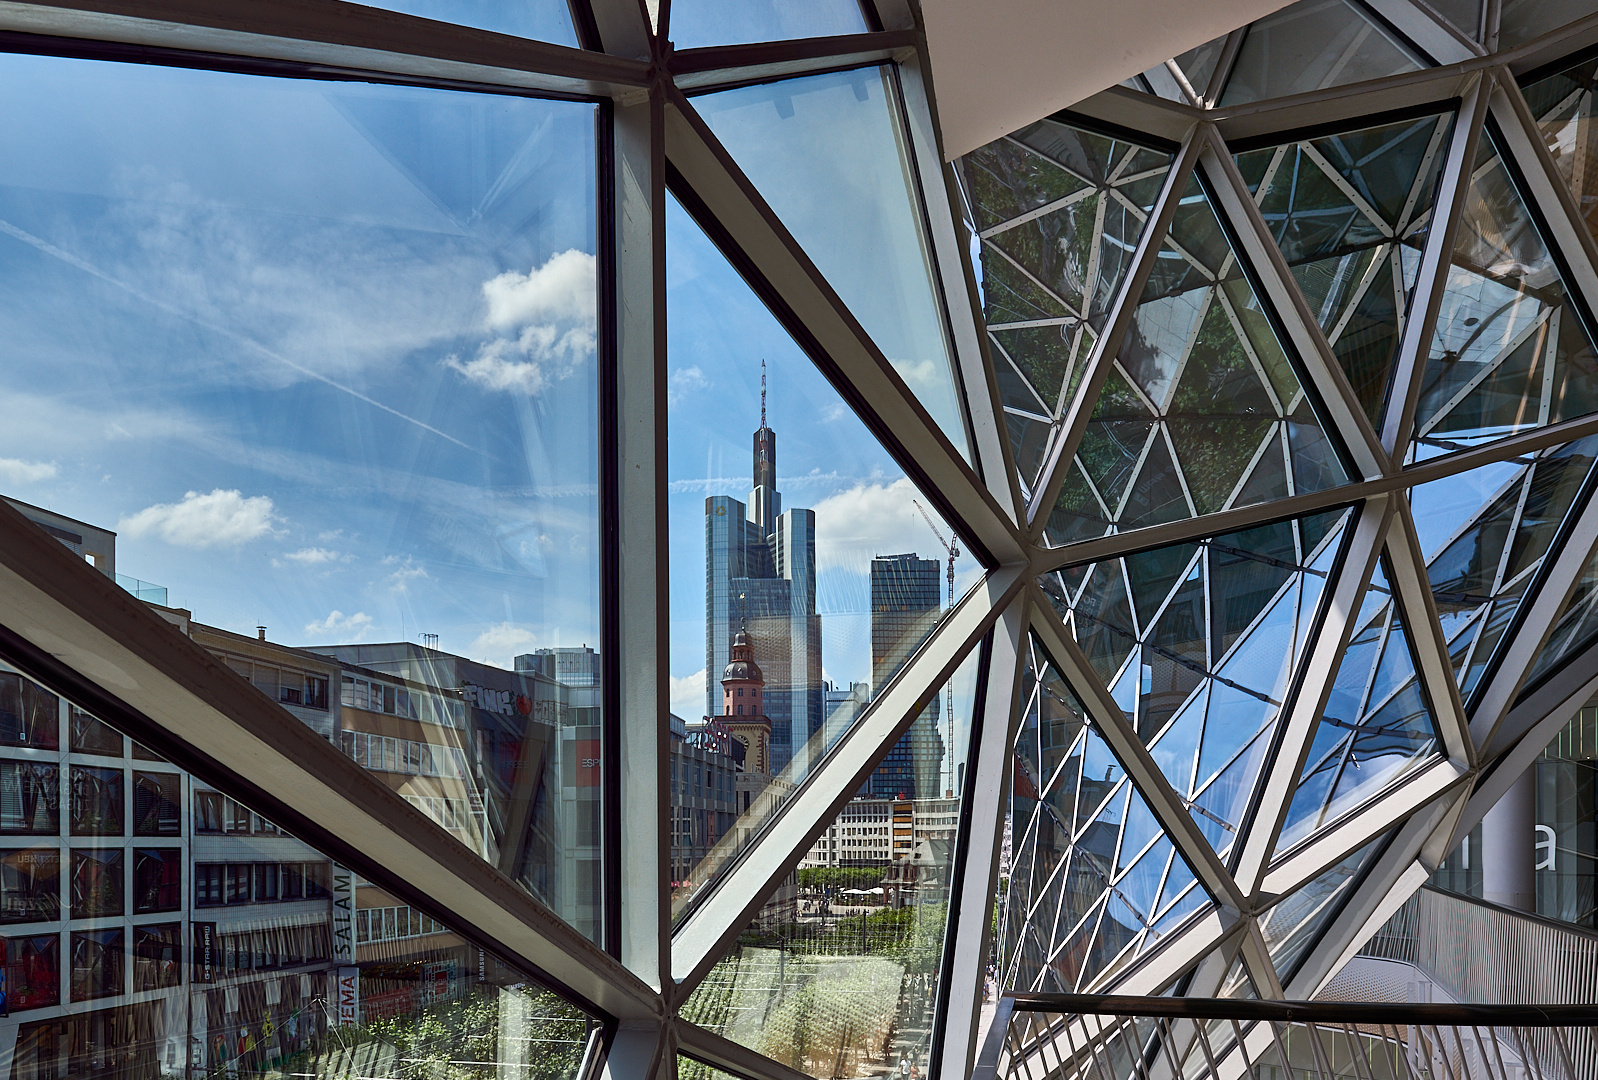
715	923
332	36
1303	711
1068	434
726	205
1521	141
70	627
986	805
1343	412
951	257
1414	344
1134	756
1414	590
1534	622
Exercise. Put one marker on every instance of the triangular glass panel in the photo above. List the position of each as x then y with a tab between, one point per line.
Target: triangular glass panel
1574	630
830	156
1341	207
789	614
702	23
1058	211
1377	725
1521	20
1311	45
1198	64
541	20
1485	533
1112	840
1510	352
191	888
1294	925
1199	395
691	1069
1564	109
1238	983
849	948
1202	651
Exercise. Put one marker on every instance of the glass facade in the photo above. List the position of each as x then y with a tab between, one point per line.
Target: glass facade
540	537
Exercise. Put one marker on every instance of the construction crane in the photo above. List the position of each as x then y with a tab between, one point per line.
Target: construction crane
952	547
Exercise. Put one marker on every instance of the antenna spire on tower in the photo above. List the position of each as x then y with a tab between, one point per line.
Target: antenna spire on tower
762	392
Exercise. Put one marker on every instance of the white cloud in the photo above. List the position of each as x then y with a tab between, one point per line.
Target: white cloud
224	517
688	695
500	644
339	625
871	519
312	556
923	377
683	382
545	319
400	580
562	290
18	471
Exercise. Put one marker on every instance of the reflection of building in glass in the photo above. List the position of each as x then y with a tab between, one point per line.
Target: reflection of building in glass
507	761
904	608
211	935
760	575
842	706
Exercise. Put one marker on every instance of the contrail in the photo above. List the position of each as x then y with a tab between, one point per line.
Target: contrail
71	259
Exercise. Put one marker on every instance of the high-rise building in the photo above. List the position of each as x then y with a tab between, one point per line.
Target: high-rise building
904	608
760	575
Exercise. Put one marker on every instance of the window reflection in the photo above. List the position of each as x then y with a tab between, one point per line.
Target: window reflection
230	948
806	569
836	975
340	344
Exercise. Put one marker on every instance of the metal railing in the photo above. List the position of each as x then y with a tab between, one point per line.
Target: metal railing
1105	1037
1483	952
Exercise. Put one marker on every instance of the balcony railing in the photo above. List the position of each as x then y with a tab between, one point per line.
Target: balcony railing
1105	1037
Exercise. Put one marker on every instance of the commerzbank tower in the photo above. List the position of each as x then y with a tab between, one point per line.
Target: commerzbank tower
760	575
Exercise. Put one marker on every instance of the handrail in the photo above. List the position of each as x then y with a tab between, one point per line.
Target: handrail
987	1066
1308	1012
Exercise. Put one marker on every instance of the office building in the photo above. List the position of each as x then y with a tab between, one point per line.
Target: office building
760	577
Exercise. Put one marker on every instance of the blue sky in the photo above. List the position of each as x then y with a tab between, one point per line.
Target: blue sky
322	354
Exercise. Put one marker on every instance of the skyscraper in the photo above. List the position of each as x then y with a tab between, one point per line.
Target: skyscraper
760	574
904	608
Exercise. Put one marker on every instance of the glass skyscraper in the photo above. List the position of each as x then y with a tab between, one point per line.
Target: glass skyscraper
760	575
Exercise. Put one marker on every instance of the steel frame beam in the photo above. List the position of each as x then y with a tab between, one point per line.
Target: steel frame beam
1300	715
726	205
970	931
331	35
640	612
1068	432
73	629
716	921
1151	783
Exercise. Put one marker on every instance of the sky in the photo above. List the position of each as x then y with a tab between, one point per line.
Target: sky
323	355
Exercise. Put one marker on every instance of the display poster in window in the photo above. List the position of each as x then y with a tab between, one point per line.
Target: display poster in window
343	915
204	952
348	1013
440	981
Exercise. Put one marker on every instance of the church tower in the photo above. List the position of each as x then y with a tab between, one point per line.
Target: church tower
743	704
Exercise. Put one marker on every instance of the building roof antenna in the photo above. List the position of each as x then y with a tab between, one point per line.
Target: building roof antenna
762	391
